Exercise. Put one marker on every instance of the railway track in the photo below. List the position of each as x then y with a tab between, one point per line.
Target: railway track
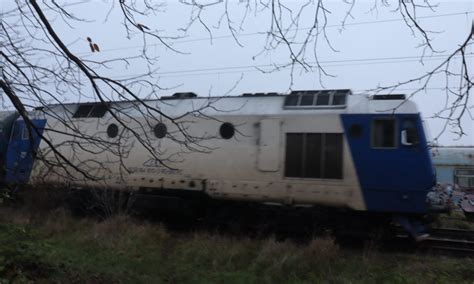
453	233
462	248
443	241
456	242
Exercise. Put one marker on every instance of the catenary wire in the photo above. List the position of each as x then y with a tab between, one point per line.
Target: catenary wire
333	63
263	33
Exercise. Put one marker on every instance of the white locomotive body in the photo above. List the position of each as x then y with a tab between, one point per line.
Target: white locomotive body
326	148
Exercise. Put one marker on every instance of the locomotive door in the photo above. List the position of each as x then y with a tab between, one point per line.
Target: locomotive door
19	160
268	157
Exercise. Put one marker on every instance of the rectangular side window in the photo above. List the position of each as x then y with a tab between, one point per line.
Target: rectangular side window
314	155
409	126
339	99
294	154
464	178
322	99
98	111
24	133
333	156
384	133
307	99
291	100
82	111
17	132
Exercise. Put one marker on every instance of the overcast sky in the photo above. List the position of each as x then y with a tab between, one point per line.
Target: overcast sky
375	48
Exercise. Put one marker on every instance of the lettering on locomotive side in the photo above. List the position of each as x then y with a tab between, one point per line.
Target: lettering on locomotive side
162	170
154	163
153	166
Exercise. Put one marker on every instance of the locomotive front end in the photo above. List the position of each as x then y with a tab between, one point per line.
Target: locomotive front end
7	119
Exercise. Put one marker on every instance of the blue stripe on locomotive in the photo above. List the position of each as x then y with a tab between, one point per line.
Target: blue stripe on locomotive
396	179
20	159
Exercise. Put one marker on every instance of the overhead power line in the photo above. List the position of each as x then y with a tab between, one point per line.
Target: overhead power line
328	63
264	33
260	33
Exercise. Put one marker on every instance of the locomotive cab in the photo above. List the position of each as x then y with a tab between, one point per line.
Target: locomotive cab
7	119
391	156
21	147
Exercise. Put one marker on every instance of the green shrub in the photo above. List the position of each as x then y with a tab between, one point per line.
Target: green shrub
19	258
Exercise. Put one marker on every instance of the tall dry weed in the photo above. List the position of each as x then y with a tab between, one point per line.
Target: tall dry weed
283	261
60	221
212	249
370	252
274	254
123	230
15	216
323	248
31	205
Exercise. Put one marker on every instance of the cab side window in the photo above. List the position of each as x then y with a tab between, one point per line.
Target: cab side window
410	133
17	132
384	133
24	133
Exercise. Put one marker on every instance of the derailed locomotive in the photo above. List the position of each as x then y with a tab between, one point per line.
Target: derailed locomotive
357	154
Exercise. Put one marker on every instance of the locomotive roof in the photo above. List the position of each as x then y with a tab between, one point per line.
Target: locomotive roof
296	102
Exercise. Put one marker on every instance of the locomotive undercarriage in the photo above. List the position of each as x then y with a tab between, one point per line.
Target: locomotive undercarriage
188	210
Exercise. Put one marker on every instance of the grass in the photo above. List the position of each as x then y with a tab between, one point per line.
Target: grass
455	220
55	247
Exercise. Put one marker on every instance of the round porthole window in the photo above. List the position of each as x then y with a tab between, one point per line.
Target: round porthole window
227	130
112	130
355	131
160	130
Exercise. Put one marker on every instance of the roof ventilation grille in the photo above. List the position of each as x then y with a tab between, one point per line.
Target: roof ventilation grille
260	94
388	97
317	99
